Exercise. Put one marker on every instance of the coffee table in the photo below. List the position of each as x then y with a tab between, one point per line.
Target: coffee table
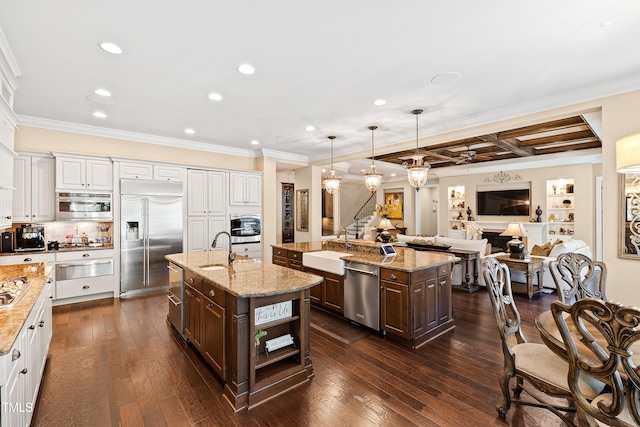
532	267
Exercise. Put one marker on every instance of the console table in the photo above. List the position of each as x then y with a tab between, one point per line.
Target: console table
531	267
471	258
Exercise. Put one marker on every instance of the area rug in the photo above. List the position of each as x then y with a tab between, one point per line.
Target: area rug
334	328
77	390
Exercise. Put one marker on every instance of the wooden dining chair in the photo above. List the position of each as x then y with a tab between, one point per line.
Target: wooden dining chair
577	276
606	330
531	362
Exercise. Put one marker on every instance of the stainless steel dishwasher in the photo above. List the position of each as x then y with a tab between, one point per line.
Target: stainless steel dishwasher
362	294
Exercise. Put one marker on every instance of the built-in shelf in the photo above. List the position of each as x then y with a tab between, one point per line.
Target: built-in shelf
275	356
560	209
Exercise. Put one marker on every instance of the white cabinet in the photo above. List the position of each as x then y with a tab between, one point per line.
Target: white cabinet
34	197
251	250
84	275
202	229
130	170
206	193
21	369
245	189
5	207
6	184
76	173
560	205
27	259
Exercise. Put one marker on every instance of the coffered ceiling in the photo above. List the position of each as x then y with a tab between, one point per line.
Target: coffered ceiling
319	66
559	136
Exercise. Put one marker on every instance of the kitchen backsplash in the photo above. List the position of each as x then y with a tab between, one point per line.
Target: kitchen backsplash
96	232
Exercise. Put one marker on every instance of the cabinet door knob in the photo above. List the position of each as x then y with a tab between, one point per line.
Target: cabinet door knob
41	324
28	260
393	276
212	293
24	371
86	287
210	305
32	327
191	280
15	355
8	217
85	255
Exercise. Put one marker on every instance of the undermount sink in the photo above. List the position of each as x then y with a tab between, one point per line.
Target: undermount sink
328	261
212	267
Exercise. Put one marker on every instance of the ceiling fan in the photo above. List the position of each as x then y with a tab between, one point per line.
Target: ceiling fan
469	156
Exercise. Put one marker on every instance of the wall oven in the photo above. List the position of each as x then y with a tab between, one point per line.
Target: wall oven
245	228
84	206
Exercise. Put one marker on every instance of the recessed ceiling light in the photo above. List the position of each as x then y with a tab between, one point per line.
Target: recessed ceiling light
102	92
393	174
189	131
246	69
379	102
215	96
111	48
310	128
255	142
100	115
445	78
323	170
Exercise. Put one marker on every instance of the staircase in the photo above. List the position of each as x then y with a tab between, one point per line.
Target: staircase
363	218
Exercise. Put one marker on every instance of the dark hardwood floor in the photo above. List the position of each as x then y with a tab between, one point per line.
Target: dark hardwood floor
117	362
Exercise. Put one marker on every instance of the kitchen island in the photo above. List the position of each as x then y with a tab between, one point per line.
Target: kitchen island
414	287
227	311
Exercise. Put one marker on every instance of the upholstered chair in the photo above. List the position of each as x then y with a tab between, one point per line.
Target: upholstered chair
577	276
607	333
532	363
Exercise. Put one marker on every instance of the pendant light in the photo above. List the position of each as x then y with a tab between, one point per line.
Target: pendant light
417	171
372	179
331	182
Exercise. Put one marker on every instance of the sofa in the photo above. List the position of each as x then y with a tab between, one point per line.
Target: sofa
484	248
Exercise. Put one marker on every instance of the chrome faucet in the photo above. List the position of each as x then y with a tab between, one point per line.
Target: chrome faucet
347	245
232	256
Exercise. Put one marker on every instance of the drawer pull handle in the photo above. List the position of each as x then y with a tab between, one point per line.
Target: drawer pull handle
24	371
85	255
32	327
212	293
210	305
28	260
15	355
393	276
191	280
41	324
85	287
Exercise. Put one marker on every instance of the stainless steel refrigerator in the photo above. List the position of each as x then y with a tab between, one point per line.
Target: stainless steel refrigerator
151	227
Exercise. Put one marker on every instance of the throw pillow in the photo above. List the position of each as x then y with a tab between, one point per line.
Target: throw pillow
539	251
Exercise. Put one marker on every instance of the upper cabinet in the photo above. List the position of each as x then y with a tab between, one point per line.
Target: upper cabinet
205	193
33	199
8	122
129	170
77	173
245	189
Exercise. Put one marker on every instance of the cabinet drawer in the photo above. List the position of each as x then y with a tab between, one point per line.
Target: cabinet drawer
394	275
279	261
136	170
444	270
194	281
295	255
83	255
86	286
27	258
296	265
280	252
214	293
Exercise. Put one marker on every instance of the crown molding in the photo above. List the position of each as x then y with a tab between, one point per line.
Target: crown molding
281	155
132	136
8	64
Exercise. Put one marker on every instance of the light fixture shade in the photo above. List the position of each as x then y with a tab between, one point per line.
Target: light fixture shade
331	182
373	178
514	229
385	224
628	154
418	170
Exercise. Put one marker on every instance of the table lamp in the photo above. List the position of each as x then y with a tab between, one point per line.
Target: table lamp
384	225
515	247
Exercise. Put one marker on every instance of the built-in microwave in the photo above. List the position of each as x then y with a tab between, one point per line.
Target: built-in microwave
84	206
245	228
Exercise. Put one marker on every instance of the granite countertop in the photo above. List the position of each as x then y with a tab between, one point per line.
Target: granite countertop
303	246
62	249
246	278
406	259
12	318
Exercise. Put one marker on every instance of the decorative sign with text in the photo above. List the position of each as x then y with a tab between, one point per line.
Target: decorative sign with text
273	312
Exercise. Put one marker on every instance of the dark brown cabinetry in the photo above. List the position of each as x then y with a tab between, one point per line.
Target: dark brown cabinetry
204	320
287	213
330	293
287	258
416	306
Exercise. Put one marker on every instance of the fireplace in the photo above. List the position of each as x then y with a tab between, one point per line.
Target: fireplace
498	242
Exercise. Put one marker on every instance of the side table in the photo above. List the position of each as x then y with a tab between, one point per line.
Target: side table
531	267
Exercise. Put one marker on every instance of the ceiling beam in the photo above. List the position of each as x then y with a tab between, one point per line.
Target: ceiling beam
508	144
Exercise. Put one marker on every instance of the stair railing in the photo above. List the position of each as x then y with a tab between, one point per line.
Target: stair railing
367	209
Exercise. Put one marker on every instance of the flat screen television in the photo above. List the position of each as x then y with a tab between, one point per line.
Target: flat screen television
503	202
